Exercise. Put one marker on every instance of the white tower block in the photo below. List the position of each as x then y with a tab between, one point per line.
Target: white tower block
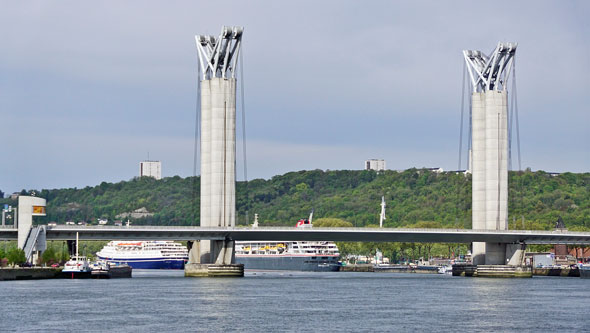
218	58
489	79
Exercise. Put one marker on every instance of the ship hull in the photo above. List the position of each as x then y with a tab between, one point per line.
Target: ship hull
75	275
585	272
148	263
289	263
123	271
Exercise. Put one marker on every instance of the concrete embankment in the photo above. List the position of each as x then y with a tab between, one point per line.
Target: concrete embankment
493	271
357	268
213	270
390	269
29	273
407	269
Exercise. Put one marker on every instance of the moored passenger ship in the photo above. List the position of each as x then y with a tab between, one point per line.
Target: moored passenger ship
145	254
295	256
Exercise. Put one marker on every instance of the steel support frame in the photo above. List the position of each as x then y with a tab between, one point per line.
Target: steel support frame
490	72
218	57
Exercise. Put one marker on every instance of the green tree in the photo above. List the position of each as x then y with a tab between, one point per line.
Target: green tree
49	256
331	222
16	256
414	196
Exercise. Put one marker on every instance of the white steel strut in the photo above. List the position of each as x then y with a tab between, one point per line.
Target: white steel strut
218	56
490	72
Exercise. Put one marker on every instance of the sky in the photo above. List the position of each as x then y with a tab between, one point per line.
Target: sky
89	89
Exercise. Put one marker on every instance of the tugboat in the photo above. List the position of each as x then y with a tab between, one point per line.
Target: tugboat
77	267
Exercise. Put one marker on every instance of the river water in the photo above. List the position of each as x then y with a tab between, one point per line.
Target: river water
156	301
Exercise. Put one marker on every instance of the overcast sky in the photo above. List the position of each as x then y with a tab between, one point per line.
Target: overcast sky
87	89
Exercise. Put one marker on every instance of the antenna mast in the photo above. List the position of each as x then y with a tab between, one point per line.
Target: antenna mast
382	216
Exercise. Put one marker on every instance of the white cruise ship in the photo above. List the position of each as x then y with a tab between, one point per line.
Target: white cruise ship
145	254
295	256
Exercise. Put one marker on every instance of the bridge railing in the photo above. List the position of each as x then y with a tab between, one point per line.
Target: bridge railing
7	227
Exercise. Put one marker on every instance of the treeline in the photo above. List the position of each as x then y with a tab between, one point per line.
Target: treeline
537	199
11	256
57	252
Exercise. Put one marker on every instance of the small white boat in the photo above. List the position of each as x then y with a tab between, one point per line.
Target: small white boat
77	267
445	269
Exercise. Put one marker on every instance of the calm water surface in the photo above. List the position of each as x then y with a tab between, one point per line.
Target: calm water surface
271	301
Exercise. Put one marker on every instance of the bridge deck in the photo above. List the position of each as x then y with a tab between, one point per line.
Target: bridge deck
318	234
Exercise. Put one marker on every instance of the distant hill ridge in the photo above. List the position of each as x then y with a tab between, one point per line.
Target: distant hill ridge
412	196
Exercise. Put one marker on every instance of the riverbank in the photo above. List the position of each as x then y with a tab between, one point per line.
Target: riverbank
357	268
390	269
493	271
29	273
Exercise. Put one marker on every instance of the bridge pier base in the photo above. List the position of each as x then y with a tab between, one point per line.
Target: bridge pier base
213	270
495	254
502	261
212	258
515	254
478	253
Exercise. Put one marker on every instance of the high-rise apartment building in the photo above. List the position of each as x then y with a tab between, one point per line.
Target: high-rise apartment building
150	169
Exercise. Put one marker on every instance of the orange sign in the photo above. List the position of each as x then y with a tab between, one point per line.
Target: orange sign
39	210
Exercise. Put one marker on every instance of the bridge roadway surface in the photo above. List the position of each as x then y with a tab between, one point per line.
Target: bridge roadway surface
311	234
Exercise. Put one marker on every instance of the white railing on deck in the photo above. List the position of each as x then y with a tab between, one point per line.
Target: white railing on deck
318	229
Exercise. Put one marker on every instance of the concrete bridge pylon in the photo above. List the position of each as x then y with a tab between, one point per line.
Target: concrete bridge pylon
218	61
489	155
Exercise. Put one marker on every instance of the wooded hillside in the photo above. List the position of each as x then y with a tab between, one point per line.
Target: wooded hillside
412	196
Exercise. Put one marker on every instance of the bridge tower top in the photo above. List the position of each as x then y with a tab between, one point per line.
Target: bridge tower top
490	72
218	56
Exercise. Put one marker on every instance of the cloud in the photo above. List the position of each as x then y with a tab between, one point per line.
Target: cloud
340	78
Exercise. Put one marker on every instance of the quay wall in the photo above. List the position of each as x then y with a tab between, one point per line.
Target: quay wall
493	271
29	273
390	269
357	268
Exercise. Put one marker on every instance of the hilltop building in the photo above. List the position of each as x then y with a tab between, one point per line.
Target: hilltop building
375	164
150	169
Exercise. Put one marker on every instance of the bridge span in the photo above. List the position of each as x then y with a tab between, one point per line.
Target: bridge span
312	234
